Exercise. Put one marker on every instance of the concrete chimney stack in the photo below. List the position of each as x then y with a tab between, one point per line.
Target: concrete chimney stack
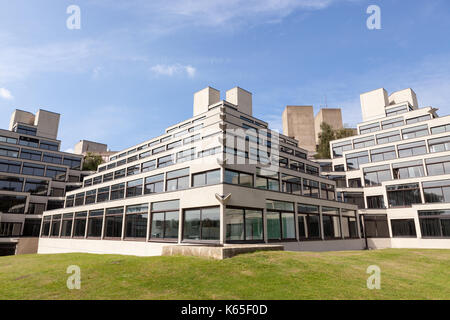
204	98
242	98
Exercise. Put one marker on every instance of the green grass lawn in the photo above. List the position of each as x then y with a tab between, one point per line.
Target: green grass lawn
405	274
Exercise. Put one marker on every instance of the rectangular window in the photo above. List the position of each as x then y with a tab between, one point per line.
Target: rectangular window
364	142
12	204
149	166
30	155
291	184
177	180
52	158
310	188
369	128
327	191
375	176
165	161
87	182
415	132
164	224
70	201
191	139
56	173
244	225
8	140
440	129
66	228
11	184
331	226
26	130
90	196
435	223
355	160
396	110
113	222
36	208
403	228
202	224
159	150
392	123
403	195
46	226
439	144
383	154
133	170
412	149
56	225
79	199
375	202
438	166
10	229
95	224
406	170
354	183
418	119
339	148
154	184
32	169
174	145
388	137
72	163
9	151
309	221
119	174
29	142
36	187
376	226
186	155
79	227
136	221
436	191
312	170
108	177
134	188
47	145
206	178
240	178
103	194
118	191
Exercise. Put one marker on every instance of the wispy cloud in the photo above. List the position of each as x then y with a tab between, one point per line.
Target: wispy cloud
174	69
6	94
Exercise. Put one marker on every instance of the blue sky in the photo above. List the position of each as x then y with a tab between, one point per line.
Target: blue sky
132	68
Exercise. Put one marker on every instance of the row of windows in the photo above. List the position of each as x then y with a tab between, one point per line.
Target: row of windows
355	160
155	150
31	169
28	154
382	138
267	180
202	224
175	180
150	165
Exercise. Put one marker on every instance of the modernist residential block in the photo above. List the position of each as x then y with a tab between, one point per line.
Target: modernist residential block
34	176
397	170
218	178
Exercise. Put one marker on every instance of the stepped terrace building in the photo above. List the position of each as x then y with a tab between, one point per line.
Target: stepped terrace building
34	176
218	178
397	170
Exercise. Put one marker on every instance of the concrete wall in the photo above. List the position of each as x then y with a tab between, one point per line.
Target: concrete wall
27	246
84	146
373	104
298	122
20	116
327	245
204	98
331	116
47	124
242	98
407	95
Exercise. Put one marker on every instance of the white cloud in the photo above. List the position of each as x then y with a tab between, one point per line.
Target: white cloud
174	69
6	94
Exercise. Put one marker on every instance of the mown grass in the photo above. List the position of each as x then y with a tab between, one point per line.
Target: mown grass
405	274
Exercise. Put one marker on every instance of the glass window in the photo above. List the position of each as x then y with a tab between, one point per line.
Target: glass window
310	188
29	142
369	128
436	191
149	166
30	154
240	178
90	196
113	222
331	226
56	173
48	145
165	161
403	228
364	142
56	225
95	224
206	178
376	226
118	191
136	221
375	176
52	158
134	188
32	169
403	195
79	228
154	184
291	184
440	129
435	223
415	132
383	154
405	170
438	166
392	123
202	224
339	148
12	204
36	187
375	202
418	119
354	160
439	144
133	170
412	149
72	163
164	225
11	184
119	174
388	137
66	228
186	155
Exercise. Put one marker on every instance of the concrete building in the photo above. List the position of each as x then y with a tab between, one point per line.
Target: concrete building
84	147
300	123
218	178
397	170
34	176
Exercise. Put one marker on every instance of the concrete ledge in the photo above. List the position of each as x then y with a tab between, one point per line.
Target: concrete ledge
217	252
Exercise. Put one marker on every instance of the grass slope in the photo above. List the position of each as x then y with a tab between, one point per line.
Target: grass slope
405	274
